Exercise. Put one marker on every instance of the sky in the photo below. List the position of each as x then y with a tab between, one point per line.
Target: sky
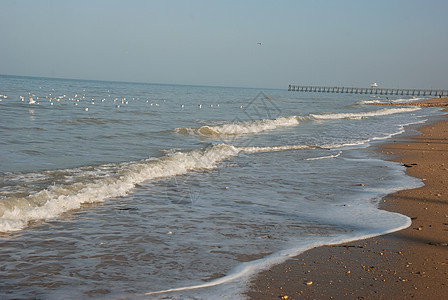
396	43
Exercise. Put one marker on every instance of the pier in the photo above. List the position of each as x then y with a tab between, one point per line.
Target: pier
369	90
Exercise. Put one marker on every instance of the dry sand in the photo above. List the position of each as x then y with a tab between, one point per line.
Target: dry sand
411	263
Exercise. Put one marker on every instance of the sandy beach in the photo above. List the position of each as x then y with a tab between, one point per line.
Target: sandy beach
411	263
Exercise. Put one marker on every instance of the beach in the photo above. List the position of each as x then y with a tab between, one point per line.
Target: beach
112	189
411	263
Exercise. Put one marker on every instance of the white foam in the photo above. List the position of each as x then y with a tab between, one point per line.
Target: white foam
258	126
400	131
275	148
15	212
118	180
241	128
232	285
324	157
96	184
381	112
235	283
259	149
369	101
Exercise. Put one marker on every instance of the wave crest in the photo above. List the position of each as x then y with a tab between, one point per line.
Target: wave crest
119	179
357	116
240	128
258	126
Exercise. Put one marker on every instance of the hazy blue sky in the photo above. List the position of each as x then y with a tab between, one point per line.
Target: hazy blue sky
397	43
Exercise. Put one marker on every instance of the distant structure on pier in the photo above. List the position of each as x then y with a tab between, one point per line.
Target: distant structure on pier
374	89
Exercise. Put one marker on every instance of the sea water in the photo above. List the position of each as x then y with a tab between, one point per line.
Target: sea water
133	190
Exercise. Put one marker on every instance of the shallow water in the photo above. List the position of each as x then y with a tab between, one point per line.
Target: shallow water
157	187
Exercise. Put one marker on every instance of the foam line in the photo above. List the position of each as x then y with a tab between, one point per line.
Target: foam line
96	184
258	126
240	128
102	183
245	270
381	112
324	157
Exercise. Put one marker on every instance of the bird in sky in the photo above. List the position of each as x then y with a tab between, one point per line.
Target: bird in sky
259	43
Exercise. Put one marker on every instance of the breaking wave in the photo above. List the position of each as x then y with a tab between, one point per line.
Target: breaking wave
240	128
258	126
49	194
89	185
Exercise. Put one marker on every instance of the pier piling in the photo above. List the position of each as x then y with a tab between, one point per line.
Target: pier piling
370	90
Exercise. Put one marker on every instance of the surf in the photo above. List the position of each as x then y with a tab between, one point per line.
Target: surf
240	127
237	128
96	184
73	188
360	115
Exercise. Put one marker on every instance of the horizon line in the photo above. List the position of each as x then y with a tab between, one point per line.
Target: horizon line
135	82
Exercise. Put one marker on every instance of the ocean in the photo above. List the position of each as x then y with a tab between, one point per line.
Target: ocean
134	190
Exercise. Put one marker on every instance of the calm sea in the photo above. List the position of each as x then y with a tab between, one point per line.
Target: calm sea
112	190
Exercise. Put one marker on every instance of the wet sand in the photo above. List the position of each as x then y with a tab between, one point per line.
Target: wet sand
411	263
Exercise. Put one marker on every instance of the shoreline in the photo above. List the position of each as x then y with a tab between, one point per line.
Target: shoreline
410	263
435	102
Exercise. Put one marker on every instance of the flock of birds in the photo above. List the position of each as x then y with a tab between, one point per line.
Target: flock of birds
78	99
